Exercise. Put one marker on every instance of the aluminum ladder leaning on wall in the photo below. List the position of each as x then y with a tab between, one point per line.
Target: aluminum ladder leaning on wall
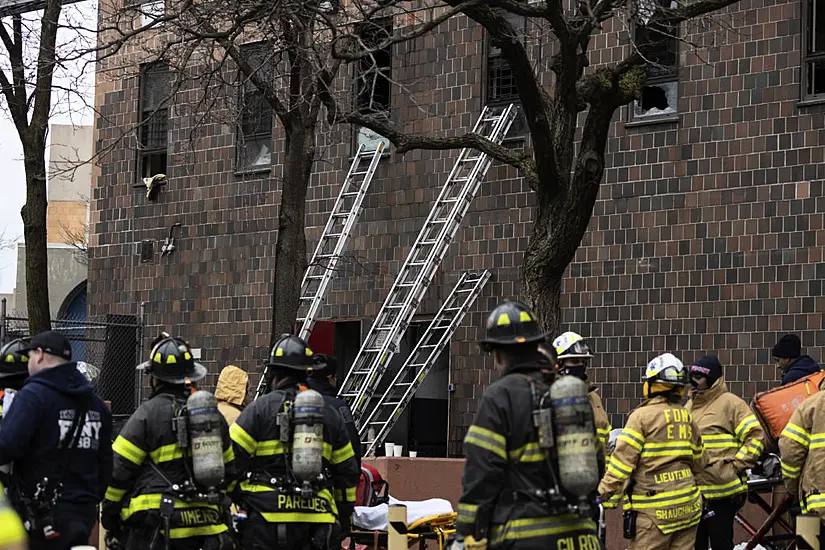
419	268
324	262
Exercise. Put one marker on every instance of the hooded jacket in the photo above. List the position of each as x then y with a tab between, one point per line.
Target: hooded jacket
656	458
802	447
330	397
42	414
504	468
231	392
732	436
800	368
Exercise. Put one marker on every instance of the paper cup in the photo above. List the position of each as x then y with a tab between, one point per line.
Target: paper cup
388	449
398	450
413	454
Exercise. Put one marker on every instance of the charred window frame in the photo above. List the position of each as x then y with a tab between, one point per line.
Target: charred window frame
500	88
373	79
253	138
660	46
153	133
813	62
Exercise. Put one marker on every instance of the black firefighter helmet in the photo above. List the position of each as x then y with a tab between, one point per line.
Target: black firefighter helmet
14	364
171	360
290	352
511	324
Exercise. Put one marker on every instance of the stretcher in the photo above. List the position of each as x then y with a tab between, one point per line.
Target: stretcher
427	521
761	484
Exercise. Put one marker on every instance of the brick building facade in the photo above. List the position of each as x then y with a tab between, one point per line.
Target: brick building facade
708	235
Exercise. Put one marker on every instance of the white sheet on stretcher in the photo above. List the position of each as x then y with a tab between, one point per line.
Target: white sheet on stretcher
374	518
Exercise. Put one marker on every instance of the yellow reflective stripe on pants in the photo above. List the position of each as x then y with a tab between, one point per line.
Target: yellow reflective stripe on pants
114	495
200	531
466	512
527	453
243	439
528	528
487	440
724	490
151	502
797	433
664	499
128	450
791	472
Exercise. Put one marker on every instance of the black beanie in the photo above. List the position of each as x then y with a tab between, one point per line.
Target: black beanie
788	347
709	366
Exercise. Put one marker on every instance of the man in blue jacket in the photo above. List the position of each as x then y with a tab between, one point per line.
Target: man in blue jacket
787	353
57	437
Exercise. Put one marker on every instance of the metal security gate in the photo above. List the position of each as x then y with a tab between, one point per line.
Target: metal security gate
110	344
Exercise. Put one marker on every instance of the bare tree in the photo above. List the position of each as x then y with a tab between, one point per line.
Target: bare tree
563	170
283	52
30	56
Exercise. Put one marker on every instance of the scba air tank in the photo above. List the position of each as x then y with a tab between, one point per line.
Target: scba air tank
308	435
575	436
205	439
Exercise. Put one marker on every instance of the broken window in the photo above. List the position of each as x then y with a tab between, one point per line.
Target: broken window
814	67
153	134
373	78
659	44
501	89
254	135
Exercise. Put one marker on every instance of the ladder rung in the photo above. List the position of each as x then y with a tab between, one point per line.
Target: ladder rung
341	215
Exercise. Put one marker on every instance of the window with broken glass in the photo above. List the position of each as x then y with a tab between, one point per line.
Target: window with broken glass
659	44
814	58
500	88
373	79
153	133
254	134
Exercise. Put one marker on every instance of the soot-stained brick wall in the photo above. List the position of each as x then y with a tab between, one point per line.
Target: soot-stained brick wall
707	237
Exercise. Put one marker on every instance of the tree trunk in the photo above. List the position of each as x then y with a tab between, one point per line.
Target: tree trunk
34	231
291	246
541	284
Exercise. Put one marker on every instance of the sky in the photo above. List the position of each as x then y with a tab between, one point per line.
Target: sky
67	109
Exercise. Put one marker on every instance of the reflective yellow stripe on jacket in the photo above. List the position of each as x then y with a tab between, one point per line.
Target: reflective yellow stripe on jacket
149	502
519	529
487	440
12	531
748	445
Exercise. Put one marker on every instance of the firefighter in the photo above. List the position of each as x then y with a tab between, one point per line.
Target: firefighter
572	358
283	510
324	381
156	498
802	447
733	443
656	458
232	392
508	498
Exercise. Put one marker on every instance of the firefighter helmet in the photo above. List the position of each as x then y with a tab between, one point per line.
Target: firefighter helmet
666	369
171	360
14	363
509	324
570	345
292	353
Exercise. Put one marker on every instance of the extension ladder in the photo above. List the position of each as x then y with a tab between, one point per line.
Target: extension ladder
421	359
419	268
333	241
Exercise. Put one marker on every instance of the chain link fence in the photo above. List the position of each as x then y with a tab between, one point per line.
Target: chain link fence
110	345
